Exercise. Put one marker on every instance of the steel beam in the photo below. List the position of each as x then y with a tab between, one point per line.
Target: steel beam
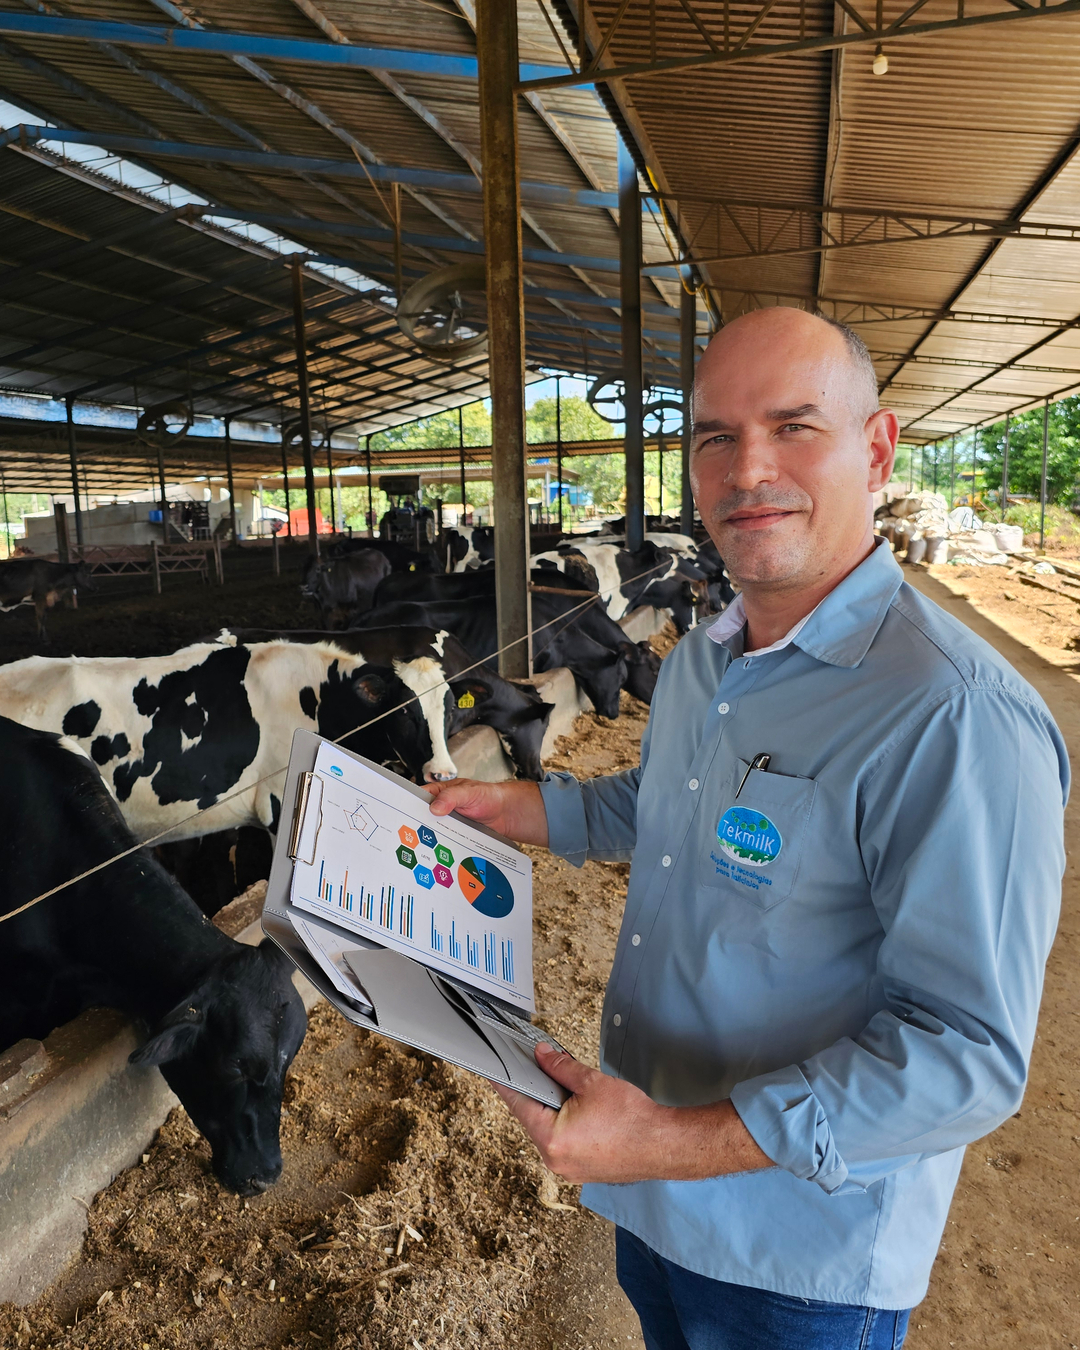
260	46
497	49
687	354
74	471
630	299
738	50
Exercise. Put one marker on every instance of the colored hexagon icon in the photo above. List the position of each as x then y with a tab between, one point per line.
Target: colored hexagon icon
427	837
443	876
406	857
444	856
424	877
408	837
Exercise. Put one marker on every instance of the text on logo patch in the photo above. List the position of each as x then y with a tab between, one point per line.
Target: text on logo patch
749	836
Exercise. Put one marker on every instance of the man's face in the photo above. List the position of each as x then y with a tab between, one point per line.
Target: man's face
785	453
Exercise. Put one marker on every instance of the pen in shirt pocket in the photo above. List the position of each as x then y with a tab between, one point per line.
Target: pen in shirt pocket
760	762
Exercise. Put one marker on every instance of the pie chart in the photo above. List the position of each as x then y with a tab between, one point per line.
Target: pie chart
485	888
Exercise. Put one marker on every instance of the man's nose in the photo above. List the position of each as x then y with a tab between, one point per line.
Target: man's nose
752	462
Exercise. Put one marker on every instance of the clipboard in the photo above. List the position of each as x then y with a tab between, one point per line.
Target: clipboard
383	990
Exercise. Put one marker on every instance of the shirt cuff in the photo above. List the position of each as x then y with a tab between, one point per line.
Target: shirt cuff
568	833
790	1126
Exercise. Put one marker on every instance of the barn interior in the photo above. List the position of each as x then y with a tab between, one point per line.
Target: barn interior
237	246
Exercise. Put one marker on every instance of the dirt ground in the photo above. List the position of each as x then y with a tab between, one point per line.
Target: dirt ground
413	1212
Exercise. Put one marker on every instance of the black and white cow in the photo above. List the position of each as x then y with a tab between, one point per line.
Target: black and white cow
225	1019
652	576
345	587
200	729
470	693
583	639
469	547
34	581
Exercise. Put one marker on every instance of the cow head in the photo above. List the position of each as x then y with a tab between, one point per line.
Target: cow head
521	726
224	1051
642	669
84	579
349	702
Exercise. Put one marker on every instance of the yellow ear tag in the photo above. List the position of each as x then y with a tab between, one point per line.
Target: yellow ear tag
466	701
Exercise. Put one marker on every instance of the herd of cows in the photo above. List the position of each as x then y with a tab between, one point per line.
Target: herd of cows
105	753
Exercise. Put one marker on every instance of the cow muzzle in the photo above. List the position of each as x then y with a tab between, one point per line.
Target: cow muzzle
440	776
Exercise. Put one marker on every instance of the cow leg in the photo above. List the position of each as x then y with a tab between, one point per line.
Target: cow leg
41	604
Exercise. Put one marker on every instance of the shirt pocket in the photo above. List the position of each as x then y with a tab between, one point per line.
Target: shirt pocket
755	846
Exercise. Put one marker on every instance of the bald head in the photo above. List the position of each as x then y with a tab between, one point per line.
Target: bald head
788	447
782	334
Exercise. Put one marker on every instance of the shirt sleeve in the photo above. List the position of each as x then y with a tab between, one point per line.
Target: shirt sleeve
595	819
961	832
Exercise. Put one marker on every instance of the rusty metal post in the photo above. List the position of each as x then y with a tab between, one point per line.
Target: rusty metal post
1005	472
497	50
277	554
1042	479
229	475
633	378
305	407
558	446
155	561
370	502
63	546
74	469
687	356
461	456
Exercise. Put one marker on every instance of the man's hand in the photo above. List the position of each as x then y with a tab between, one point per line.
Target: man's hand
611	1131
514	809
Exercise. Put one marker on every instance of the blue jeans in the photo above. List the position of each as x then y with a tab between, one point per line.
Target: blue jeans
683	1311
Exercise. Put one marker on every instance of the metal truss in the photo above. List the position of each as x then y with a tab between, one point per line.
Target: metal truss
644	37
729	231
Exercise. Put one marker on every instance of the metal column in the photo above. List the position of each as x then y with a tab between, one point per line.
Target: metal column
687	354
370	499
497	50
305	408
1042	480
952	473
229	477
74	469
630	301
1005	471
558	445
161	489
461	456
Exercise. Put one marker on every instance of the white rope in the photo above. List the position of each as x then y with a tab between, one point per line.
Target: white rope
591	598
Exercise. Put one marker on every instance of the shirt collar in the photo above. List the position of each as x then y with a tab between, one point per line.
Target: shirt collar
842	627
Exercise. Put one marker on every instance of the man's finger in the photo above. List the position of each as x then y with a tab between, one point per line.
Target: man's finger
567	1071
533	1115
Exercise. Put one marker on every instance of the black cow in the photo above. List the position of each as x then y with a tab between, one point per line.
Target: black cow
470	693
345	587
33	581
652	575
400	558
216	868
225	1019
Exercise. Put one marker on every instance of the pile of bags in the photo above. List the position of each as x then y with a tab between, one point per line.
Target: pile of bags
923	528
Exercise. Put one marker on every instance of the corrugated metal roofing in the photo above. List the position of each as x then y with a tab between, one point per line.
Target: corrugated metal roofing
979	123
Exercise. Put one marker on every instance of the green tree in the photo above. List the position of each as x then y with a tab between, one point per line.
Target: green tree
1025	452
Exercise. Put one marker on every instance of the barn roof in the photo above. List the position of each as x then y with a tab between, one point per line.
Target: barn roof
162	166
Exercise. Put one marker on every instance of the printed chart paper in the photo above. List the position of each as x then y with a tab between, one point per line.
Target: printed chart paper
432	888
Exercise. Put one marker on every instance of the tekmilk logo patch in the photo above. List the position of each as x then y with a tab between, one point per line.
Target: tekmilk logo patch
749	837
338	773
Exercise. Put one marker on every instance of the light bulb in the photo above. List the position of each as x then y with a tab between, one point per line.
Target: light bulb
881	62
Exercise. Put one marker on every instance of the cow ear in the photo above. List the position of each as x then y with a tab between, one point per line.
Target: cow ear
175	1036
371	688
471	691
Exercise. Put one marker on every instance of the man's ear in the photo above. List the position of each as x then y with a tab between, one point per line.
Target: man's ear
884	430
176	1034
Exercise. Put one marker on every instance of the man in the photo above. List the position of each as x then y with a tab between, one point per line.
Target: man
846	835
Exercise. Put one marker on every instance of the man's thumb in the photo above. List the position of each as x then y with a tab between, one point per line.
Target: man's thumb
567	1071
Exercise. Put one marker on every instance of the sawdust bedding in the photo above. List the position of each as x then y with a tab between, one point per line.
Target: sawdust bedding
413	1211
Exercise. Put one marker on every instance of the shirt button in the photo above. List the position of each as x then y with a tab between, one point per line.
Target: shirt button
635	941
617	1020
666	859
693	784
723	708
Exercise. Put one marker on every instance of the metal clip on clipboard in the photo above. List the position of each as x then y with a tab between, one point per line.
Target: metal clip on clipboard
304	834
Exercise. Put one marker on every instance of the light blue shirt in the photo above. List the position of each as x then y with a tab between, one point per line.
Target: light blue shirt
851	948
